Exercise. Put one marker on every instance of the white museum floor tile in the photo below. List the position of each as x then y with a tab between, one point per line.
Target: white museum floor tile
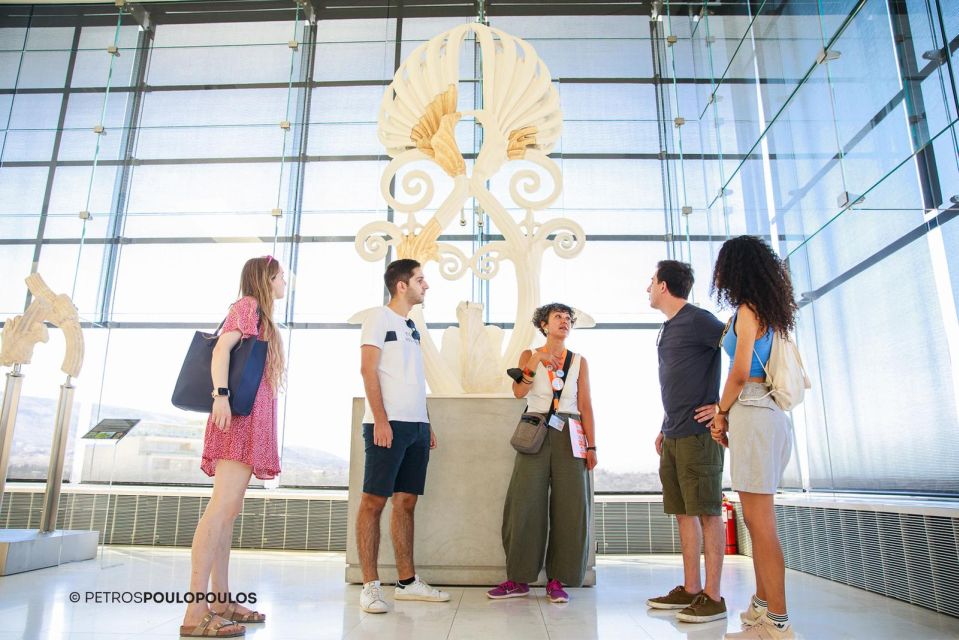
304	596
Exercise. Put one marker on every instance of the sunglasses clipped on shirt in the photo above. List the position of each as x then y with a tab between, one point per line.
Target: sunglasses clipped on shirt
411	325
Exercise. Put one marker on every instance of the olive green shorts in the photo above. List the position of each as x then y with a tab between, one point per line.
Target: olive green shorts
691	469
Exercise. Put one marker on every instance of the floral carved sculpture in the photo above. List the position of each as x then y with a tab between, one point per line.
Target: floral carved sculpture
521	120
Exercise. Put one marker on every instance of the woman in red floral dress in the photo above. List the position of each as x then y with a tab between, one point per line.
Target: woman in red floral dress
234	448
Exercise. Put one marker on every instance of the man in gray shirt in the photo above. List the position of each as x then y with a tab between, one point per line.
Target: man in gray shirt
691	462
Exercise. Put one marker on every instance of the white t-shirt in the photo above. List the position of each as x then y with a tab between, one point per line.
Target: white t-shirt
400	371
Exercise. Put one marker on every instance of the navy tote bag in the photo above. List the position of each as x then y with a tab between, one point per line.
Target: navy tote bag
194	386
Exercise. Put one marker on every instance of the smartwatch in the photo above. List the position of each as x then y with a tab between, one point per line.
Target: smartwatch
221	392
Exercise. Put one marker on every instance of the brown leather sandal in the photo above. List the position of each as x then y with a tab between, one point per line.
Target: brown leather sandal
231	613
209	628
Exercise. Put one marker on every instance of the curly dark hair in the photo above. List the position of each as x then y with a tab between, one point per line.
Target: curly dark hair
541	315
749	272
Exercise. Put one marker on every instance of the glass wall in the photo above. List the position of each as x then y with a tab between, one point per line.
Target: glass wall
184	139
834	126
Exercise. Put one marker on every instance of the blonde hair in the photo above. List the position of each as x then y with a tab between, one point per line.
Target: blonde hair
256	282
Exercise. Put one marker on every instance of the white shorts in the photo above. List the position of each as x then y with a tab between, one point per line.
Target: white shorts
760	441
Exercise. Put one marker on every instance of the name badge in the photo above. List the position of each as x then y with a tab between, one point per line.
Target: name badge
557	422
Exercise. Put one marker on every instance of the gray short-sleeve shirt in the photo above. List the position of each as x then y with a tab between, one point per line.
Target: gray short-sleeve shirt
689	368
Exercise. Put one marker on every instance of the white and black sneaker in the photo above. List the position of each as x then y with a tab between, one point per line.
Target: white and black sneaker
752	615
419	590
371	598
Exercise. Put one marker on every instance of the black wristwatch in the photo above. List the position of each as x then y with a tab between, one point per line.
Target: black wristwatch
221	392
591	448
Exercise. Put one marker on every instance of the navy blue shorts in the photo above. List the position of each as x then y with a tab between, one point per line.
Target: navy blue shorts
402	467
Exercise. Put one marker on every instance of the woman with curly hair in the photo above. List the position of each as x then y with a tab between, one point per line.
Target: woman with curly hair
547	508
750	278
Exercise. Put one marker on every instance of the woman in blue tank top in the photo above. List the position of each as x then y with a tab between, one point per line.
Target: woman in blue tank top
761	350
751	279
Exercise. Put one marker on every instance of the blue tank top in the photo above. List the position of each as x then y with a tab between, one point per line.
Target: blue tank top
761	349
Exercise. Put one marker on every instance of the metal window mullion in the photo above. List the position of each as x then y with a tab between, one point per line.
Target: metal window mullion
302	239
13	92
948	57
768	185
298	177
288	156
662	134
51	174
682	221
121	185
390	213
166	162
480	229
918	123
295	198
803	450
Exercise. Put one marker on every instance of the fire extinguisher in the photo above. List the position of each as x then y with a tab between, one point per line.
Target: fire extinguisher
729	519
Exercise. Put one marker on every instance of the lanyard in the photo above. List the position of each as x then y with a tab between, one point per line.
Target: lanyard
552	376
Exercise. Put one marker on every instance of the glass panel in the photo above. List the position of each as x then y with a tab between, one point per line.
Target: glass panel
75	271
15	264
340	297
181	290
224	53
345	186
68	198
21	200
202	200
606	299
317	453
84	112
95	67
629	461
856	440
354	61
42	69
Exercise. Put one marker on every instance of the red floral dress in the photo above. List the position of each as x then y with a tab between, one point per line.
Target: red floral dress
250	439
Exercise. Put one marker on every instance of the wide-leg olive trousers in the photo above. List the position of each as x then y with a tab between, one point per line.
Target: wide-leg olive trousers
547	512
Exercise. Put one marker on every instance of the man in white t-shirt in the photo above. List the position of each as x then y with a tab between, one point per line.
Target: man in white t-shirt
397	434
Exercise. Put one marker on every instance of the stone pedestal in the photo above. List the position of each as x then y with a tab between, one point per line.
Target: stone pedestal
28	549
458	520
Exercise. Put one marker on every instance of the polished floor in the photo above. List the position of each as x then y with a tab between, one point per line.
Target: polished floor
304	596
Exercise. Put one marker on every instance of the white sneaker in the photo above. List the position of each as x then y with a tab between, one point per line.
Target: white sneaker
764	629
419	590
371	598
752	615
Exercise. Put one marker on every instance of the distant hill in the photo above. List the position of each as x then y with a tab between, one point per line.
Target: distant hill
30	454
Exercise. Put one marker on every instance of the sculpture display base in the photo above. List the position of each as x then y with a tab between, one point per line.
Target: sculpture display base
458	520
28	549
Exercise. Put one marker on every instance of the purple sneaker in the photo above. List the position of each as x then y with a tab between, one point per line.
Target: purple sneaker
555	593
508	589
